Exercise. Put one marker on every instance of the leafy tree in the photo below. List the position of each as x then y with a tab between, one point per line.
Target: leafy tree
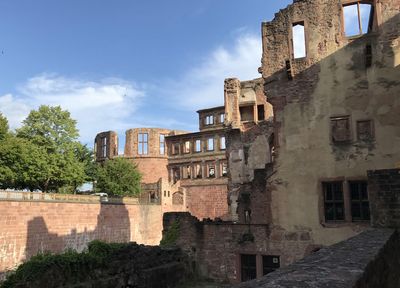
3	126
118	177
55	133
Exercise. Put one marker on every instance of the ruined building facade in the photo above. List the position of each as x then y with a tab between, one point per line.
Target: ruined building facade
189	171
331	72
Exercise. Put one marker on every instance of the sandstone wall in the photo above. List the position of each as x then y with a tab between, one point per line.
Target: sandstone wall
27	228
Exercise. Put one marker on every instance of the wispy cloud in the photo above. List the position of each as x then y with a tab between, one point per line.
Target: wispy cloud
96	105
203	85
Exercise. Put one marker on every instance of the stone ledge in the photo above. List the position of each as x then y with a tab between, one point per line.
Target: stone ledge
356	262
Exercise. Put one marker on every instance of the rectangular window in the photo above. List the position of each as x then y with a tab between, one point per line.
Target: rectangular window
248	266
299	40
209	120
365	130
333	201
359	201
222	145
104	147
211	170
221	118
176	175
224	169
260	112
210	144
358	18
340	129
187	172
186	147
198	171
142	143
270	263
246	113
197	145
175	148
162	144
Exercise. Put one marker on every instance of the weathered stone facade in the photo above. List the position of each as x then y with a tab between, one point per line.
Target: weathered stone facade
302	177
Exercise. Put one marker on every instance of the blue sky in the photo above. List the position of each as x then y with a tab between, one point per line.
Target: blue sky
121	64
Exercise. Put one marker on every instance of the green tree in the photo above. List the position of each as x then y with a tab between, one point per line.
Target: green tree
118	177
3	126
55	133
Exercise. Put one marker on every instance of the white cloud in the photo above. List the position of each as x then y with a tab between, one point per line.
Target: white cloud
97	106
203	86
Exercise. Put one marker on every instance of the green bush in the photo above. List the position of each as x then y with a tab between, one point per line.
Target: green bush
172	234
73	266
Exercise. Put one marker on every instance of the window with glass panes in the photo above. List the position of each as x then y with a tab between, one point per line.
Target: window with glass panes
359	200
333	201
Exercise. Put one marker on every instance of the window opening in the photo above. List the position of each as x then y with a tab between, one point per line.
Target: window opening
222	145
224	169
248	265
209	120
211	170
187	172
270	263
142	143
221	118
198	171
260	112
186	147
104	147
299	40
175	149
358	19
333	200
176	175
198	145
210	144
162	144
359	200
246	113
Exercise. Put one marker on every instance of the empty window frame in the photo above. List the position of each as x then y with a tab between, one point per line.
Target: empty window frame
340	129
248	265
260	112
142	143
365	130
224	169
104	147
359	201
186	147
333	201
358	18
209	120
162	144
270	263
187	172
221	118
198	171
246	113
299	40
197	145
176	175
210	144
211	170
222	144
175	148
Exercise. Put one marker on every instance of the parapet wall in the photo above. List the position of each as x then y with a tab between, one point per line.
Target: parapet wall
370	259
27	228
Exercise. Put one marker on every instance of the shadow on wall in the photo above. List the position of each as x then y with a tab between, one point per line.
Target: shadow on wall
113	225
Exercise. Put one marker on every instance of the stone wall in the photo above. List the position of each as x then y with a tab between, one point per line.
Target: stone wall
27	228
216	246
384	195
369	260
